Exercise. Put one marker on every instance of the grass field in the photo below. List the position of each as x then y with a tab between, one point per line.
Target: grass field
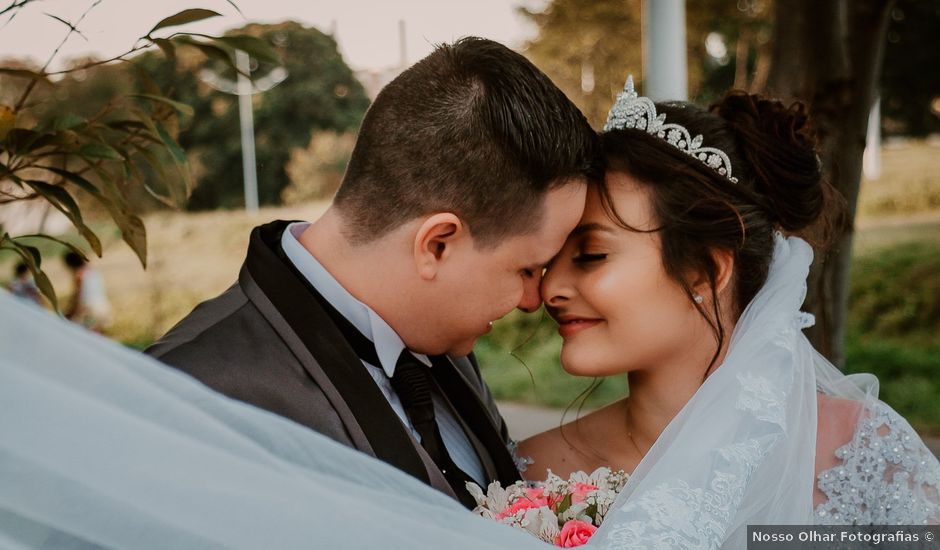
196	256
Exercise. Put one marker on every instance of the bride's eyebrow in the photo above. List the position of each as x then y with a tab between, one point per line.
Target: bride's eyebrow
588	227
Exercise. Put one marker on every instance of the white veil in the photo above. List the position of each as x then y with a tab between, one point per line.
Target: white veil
103	447
742	449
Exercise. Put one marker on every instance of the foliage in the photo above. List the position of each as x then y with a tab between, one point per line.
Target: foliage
745	28
896	293
908	86
52	150
588	47
319	93
316	172
894	324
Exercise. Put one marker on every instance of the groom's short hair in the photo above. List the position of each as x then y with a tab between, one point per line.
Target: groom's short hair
474	129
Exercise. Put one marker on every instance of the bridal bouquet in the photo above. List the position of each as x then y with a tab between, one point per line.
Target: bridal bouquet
561	512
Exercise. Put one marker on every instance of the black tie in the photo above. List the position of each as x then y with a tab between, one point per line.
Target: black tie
412	382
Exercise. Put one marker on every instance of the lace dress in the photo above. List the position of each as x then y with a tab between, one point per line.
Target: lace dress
887	476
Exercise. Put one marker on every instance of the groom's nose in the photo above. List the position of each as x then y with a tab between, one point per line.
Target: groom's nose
531	299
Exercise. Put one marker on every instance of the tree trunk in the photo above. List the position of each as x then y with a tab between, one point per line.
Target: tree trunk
830	54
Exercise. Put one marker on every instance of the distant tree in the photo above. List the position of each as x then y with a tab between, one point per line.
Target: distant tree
589	46
320	93
830	54
54	147
910	83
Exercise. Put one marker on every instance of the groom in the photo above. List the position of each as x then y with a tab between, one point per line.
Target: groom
469	172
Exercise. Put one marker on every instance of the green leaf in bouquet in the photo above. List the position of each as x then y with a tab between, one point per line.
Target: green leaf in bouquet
182	18
591	511
563	505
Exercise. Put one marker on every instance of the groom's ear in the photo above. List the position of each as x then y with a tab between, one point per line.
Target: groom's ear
434	242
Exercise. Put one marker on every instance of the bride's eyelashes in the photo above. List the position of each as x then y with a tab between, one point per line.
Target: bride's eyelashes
585	258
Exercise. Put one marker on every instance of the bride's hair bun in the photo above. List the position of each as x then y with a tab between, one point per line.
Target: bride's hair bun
779	148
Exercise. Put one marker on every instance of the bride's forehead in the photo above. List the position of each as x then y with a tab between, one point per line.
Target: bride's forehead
629	199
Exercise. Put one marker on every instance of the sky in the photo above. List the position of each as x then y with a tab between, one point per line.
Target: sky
367	30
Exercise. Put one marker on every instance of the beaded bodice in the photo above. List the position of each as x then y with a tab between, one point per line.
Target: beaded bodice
887	476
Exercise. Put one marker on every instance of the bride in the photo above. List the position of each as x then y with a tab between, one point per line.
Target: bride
654	282
733	418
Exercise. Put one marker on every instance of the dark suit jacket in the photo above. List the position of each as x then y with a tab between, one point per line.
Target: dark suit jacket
268	341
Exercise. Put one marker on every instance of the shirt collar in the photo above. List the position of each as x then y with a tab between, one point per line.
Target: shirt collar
388	345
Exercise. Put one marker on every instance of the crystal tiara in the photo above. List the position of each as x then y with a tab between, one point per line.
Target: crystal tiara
632	111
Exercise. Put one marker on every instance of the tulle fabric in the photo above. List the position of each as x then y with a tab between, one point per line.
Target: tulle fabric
103	447
742	449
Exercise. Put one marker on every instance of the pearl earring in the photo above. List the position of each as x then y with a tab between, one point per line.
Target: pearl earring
698	298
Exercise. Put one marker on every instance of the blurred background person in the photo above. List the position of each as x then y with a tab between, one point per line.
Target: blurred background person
23	286
89	305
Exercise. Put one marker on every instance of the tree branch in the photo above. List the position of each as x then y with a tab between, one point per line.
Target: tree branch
32	83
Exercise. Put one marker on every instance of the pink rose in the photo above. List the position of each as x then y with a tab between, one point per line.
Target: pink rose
579	491
535	493
574	533
533	498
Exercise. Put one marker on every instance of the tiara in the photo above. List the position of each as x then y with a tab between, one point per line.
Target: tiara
632	111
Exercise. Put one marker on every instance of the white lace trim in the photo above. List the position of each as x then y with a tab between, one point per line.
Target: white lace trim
887	476
759	397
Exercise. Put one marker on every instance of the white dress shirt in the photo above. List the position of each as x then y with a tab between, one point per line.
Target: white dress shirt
388	346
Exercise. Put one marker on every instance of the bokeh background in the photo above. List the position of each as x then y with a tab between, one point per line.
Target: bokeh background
155	135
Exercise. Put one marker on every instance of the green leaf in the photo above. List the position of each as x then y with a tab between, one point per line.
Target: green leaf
33	261
67	122
178	154
126	125
210	51
182	18
147	81
168	48
563	505
63	201
181	107
78	180
135	235
23	140
100	151
253	46
67	244
132	227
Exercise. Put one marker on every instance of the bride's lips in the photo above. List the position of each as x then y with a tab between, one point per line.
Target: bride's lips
570	325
